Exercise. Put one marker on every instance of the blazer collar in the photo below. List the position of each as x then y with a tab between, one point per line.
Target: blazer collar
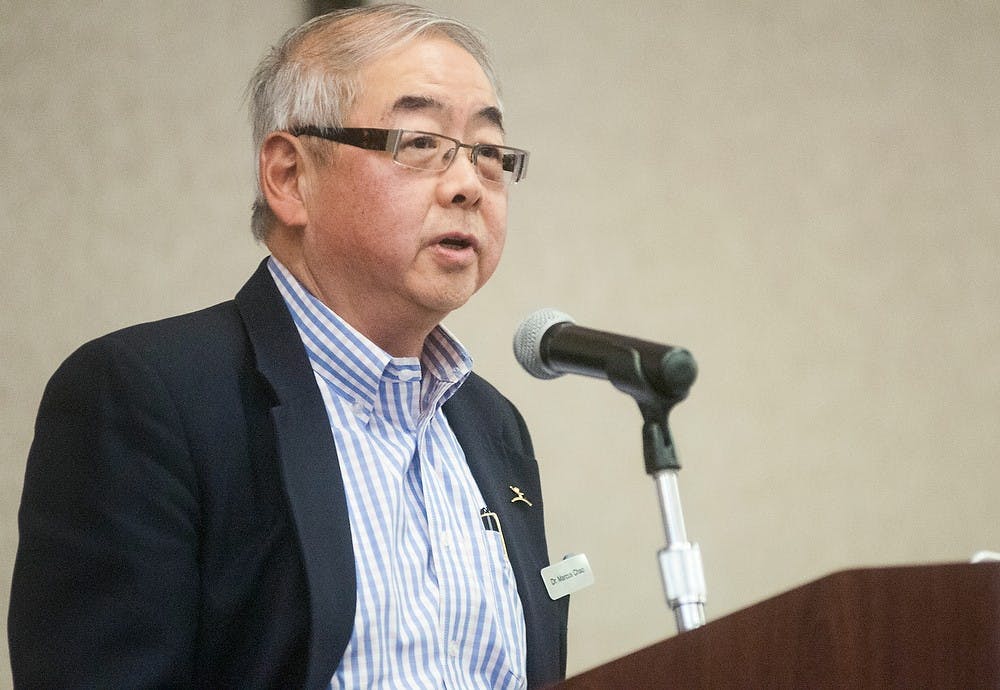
310	469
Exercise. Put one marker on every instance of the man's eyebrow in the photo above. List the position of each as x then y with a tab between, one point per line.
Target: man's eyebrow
490	114
416	103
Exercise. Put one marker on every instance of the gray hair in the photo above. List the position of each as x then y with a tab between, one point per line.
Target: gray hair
311	77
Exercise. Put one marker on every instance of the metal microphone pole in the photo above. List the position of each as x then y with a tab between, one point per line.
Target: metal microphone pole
680	560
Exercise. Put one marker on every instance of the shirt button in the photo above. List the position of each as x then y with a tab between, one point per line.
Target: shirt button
446	540
453	649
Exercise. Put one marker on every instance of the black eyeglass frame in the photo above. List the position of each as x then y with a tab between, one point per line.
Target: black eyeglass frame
375	139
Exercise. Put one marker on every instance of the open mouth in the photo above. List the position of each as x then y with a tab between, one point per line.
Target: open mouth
455	243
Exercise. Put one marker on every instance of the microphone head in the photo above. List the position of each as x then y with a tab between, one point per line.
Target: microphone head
528	341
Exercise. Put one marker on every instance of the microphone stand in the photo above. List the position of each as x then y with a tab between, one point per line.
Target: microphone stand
680	560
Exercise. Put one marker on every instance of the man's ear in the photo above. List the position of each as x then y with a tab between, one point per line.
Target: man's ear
282	168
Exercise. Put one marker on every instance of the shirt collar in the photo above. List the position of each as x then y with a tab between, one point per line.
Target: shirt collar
352	364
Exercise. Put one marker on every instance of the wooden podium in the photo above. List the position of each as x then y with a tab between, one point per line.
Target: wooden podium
908	627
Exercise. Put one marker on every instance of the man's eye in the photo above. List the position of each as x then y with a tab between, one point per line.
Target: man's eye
491	152
421	141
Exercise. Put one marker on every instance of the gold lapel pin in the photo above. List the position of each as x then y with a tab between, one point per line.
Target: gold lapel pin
519	496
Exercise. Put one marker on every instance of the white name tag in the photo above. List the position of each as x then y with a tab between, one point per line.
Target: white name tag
569	575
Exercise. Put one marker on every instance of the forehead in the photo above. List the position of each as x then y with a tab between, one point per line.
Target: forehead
432	76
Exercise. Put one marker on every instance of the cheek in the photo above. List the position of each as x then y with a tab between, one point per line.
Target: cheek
497	229
497	224
372	213
501	240
395	205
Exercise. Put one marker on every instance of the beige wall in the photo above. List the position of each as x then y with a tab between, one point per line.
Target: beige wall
803	194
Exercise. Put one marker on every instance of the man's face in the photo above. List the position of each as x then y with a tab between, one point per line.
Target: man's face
388	244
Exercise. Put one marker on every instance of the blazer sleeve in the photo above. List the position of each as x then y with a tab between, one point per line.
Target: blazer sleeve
105	585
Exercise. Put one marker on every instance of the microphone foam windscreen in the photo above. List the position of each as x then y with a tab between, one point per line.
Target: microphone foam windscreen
528	341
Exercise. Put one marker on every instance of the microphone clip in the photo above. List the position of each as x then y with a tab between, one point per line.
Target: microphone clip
677	371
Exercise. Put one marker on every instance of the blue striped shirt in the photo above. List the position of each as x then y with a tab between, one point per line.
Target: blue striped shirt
437	602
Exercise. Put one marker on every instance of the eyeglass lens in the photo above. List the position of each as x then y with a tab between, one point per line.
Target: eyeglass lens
434	152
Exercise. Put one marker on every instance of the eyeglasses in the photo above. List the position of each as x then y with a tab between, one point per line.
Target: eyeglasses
499	165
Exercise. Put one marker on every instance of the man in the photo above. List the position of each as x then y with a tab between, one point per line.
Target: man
307	486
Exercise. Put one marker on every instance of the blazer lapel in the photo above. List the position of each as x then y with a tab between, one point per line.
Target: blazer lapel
499	462
310	470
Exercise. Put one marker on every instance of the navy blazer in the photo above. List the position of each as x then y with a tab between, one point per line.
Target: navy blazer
183	521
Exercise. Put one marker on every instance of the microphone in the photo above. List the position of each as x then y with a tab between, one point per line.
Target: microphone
548	343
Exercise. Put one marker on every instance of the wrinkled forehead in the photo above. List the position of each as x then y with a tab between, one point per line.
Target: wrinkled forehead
485	116
432	77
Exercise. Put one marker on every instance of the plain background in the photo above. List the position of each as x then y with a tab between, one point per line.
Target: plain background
805	195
